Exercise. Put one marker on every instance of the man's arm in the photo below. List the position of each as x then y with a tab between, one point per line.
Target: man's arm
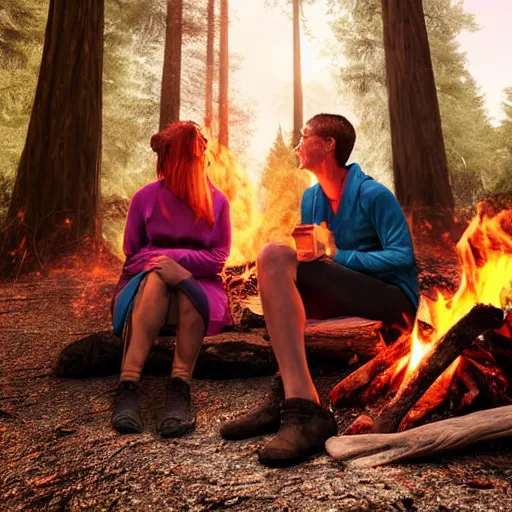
397	250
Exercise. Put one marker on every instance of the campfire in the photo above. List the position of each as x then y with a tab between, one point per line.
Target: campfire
460	355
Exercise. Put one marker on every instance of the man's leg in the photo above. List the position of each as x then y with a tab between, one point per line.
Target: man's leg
285	318
303	424
150	309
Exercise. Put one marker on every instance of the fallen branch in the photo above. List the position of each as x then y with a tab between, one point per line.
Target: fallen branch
379	449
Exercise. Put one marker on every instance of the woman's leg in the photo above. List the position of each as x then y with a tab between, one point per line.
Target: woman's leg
189	338
150	311
177	416
150	308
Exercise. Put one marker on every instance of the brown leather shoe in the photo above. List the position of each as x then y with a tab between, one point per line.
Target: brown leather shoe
264	419
305	426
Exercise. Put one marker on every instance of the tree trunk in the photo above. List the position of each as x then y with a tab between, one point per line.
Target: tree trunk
208	112
297	76
419	158
171	76
56	195
223	76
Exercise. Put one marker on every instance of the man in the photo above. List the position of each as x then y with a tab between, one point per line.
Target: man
370	272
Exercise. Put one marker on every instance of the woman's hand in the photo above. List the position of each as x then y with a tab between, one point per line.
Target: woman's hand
172	273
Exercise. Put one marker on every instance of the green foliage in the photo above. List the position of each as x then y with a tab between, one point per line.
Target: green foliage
282	186
22	27
504	183
133	57
470	140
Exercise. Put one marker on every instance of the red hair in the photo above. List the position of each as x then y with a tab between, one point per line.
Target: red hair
181	163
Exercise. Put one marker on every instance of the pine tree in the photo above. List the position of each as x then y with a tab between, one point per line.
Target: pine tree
504	183
282	185
469	138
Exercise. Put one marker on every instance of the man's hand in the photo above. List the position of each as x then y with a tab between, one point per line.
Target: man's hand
171	272
330	248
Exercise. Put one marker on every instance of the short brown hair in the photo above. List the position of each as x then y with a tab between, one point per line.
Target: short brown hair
340	129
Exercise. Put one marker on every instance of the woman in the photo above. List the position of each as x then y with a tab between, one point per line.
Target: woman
176	241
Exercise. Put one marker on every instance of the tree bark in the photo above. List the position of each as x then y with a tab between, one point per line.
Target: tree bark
379	449
419	157
297	76
223	75
55	201
208	111
171	76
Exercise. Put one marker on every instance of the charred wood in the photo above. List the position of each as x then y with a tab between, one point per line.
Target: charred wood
480	319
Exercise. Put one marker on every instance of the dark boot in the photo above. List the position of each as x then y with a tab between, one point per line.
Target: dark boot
305	426
264	419
126	418
177	417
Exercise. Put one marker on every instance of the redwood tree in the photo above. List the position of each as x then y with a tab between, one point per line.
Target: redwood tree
171	76
419	156
209	64
223	75
297	76
56	195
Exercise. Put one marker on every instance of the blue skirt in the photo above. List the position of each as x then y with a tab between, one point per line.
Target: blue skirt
124	302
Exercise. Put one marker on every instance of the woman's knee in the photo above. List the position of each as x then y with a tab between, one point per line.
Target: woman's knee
276	257
151	287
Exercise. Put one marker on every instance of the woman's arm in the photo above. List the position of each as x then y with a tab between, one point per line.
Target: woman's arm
135	229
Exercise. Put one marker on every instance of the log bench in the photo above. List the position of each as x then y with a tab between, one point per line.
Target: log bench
231	354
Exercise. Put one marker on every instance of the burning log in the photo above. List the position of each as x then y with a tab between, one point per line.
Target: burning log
379	449
345	390
436	361
435	396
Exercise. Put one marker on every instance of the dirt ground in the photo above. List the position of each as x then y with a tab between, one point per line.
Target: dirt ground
59	453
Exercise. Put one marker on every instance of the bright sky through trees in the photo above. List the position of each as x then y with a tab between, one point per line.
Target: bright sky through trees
264	37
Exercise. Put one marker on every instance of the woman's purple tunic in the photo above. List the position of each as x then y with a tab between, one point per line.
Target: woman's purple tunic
160	223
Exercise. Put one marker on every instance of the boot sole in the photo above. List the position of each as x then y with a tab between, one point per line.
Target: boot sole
124	427
292	461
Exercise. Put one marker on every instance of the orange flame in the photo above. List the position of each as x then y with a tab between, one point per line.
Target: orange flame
484	250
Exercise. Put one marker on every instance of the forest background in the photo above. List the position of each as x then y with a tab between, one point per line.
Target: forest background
479	151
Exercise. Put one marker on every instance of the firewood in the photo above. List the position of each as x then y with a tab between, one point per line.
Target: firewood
379	449
491	382
380	384
433	398
465	375
440	355
362	425
345	390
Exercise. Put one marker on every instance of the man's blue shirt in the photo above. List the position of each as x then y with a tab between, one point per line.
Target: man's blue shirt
370	230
